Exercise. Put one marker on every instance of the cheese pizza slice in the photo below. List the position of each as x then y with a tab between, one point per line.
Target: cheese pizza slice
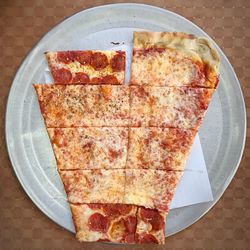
105	222
174	59
171	107
159	148
89	147
87	67
151	188
83	105
150	226
94	186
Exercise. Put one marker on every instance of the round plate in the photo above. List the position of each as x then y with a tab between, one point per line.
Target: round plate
222	133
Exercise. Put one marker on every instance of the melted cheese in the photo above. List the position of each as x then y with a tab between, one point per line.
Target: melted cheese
89	148
76	67
169	107
146	228
81	214
94	186
159	148
115	231
145	187
186	49
84	105
167	68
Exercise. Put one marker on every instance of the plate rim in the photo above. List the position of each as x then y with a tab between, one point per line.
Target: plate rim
23	63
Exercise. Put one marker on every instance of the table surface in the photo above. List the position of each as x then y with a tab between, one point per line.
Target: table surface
23	225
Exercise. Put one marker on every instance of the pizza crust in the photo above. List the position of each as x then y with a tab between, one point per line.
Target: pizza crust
196	48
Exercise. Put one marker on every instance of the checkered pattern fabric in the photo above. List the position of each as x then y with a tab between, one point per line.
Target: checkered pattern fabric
23	225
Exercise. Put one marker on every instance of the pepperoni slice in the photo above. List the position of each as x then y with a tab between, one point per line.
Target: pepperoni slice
97	222
148	238
129	238
117	209
81	77
96	80
64	56
130	224
110	79
99	61
118	62
62	75
153	217
83	57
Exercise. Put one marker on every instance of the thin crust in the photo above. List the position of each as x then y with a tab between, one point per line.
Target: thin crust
190	49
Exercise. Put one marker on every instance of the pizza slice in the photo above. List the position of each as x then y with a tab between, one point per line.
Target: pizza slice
150	188
105	222
150	226
89	147
94	186
83	105
119	223
174	59
87	67
171	107
159	148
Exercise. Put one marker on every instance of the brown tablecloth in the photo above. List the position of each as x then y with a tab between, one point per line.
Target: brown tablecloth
23	225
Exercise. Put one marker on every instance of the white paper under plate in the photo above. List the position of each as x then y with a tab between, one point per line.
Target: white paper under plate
222	133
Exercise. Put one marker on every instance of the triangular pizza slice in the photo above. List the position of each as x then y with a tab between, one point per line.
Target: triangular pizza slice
87	67
174	59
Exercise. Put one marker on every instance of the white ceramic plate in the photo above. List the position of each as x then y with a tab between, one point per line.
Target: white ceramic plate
222	133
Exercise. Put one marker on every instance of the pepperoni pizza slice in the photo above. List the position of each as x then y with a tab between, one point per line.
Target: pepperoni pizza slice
105	222
94	186
83	105
171	107
89	147
159	148
87	67
174	59
150	226
151	188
